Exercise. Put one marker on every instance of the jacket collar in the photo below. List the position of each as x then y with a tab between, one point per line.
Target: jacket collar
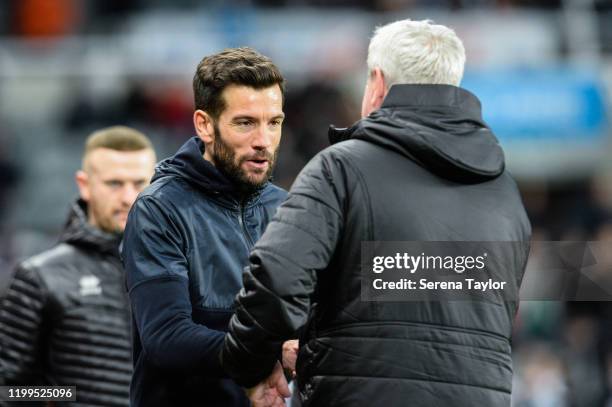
416	97
432	96
189	164
78	232
438	126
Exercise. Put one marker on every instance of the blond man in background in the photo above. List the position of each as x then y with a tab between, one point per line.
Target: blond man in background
64	320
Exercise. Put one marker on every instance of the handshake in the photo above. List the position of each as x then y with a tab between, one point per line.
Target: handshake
274	389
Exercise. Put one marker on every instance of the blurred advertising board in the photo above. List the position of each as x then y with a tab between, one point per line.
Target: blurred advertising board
552	122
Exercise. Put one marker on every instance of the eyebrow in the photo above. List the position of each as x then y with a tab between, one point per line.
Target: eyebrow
244	116
124	181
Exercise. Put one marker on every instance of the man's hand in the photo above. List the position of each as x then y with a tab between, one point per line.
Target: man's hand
272	391
290	352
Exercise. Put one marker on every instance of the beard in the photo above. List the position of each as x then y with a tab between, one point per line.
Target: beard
225	160
104	220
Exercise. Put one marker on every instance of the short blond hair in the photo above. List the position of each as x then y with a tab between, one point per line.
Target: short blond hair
118	138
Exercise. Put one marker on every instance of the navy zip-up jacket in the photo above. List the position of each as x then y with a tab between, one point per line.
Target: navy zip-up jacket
187	240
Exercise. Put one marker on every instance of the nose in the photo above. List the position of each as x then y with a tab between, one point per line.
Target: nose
263	138
129	193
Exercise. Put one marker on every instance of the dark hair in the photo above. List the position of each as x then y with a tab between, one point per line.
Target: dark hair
232	66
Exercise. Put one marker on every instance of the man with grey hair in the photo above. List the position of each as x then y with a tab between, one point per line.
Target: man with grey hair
421	166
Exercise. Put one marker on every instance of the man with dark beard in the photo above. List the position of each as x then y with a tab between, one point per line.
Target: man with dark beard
189	235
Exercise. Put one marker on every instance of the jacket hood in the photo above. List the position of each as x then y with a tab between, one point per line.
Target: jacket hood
438	126
188	163
78	232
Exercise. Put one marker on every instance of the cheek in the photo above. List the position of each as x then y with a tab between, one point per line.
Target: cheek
235	140
364	101
277	139
94	193
103	197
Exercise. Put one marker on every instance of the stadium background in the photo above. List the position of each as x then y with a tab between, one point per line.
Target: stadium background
543	70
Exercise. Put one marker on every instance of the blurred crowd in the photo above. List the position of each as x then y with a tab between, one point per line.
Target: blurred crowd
23	17
563	350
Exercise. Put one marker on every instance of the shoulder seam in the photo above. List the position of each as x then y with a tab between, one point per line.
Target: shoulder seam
345	152
156	278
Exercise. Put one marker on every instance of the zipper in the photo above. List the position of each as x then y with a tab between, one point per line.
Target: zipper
245	232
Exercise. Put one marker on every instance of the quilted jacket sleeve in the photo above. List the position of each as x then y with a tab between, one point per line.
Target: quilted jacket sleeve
278	283
21	329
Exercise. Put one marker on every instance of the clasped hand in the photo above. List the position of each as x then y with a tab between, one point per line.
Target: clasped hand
274	389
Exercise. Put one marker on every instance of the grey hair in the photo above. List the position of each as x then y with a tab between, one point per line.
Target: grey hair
417	52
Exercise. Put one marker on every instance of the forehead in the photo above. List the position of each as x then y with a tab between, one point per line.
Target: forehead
105	162
241	99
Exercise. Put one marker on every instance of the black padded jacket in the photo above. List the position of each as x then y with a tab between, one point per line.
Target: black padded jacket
64	319
422	168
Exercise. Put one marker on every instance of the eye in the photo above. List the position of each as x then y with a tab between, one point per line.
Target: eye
114	184
276	122
244	122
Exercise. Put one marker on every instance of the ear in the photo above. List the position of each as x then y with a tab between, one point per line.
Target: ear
82	181
204	127
379	88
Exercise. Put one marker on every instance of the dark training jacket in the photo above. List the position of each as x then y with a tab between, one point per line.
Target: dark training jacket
424	167
187	240
64	320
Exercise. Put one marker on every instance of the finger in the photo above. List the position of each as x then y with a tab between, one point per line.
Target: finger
277	380
274	400
283	387
279	402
